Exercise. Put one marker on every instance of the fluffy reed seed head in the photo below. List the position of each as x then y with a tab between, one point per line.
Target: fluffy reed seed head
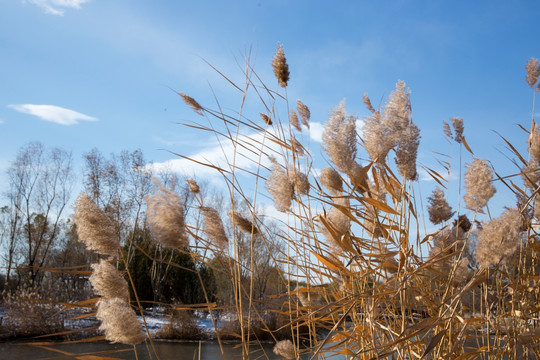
397	110
280	187
165	214
94	227
119	322
243	224
297	147
367	102
462	271
339	224
530	174
449	241
478	186
447	130
377	141
339	138
266	119
108	282
192	103
332	180
358	177
286	349
301	183
457	123
499	239
193	186
406	152
533	72
281	68
304	113
213	227
439	210
534	143
294	121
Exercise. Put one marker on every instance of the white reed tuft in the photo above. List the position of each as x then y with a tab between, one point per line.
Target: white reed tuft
108	282
94	227
119	322
280	187
478	185
165	214
213	227
286	349
339	138
499	239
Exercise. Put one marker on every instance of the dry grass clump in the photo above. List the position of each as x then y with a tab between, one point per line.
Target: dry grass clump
94	227
119	322
165	214
439	210
213	227
108	282
478	185
499	239
181	325
28	313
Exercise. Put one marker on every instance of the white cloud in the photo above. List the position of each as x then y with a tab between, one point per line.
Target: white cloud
57	7
52	113
316	130
246	156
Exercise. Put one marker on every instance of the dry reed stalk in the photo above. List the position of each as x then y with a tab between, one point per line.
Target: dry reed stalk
94	227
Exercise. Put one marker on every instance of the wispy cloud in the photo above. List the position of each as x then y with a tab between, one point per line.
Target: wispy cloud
52	113
57	7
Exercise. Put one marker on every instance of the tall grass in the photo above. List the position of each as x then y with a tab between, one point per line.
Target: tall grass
350	252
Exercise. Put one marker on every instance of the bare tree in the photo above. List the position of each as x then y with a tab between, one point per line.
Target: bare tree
40	186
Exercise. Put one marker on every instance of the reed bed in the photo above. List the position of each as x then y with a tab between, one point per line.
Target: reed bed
348	251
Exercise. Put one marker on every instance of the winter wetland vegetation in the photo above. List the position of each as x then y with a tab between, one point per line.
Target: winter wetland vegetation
354	266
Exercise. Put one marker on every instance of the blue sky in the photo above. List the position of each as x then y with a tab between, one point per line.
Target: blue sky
102	71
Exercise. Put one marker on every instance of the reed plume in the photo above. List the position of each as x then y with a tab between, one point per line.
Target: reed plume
304	113
534	143
165	214
281	68
108	282
294	121
192	103
406	152
457	123
193	186
332	180
478	186
301	182
243	224
499	239
94	227
266	119
533	71
367	102
438	209
339	139
286	349
447	130
119	322
280	187
213	227
297	147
